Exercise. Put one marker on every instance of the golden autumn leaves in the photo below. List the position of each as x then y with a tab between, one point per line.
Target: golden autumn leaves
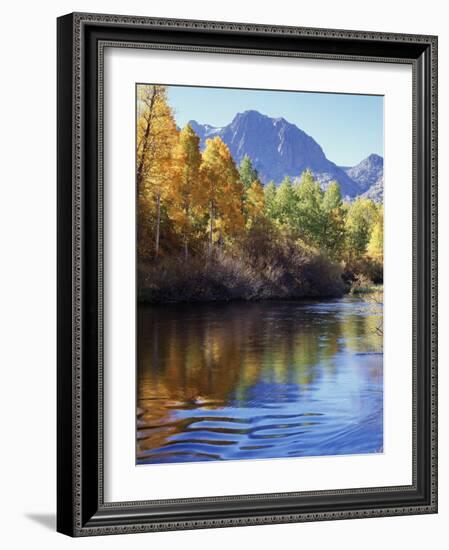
192	202
191	196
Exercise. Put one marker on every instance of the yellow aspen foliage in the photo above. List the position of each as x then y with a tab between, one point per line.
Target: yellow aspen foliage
358	225
185	194
156	139
375	247
255	203
223	191
233	220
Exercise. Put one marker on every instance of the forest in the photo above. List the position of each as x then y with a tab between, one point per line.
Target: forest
209	230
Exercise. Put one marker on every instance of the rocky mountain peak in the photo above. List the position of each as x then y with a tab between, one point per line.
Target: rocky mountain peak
278	148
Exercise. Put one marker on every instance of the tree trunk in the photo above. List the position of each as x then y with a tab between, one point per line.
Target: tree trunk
211	229
186	232
158	223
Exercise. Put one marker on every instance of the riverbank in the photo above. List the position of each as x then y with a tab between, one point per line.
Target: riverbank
284	275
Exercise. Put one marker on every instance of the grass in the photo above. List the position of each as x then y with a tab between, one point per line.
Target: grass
366	289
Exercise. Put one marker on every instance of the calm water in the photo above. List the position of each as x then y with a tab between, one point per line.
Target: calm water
259	380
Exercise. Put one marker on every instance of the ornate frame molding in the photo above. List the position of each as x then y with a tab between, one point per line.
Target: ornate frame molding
82	510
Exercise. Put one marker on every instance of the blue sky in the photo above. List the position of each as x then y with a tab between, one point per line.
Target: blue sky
348	127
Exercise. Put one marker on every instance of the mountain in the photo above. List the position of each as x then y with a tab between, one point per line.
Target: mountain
369	176
376	191
277	149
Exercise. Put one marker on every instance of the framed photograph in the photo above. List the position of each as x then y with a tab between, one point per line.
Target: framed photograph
247	284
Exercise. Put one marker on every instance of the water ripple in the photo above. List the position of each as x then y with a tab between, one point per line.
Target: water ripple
265	380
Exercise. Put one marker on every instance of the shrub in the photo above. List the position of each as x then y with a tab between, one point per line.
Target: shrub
260	266
367	267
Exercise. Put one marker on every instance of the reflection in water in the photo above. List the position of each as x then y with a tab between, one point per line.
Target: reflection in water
259	380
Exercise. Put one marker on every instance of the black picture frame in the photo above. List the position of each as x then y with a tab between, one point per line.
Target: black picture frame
81	509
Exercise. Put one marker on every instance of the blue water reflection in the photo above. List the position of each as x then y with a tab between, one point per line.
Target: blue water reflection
259	380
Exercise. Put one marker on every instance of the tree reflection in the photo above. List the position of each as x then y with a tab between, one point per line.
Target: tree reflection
213	355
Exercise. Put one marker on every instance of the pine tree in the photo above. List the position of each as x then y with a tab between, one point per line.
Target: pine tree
333	232
285	204
311	216
270	190
332	197
359	223
248	174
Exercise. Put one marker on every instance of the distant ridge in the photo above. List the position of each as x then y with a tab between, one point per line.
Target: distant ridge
369	176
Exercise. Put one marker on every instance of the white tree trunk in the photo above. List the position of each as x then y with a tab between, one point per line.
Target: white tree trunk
158	223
